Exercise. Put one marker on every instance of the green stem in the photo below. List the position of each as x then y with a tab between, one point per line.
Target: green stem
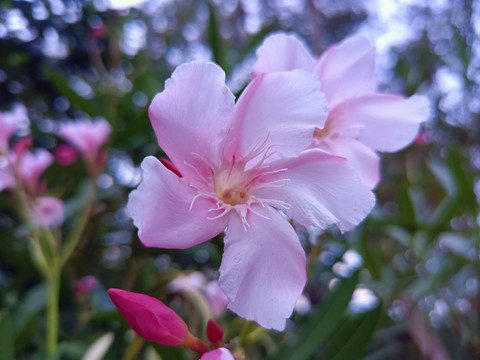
52	310
77	230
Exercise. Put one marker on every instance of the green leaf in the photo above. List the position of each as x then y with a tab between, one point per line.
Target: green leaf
214	38
350	339
6	337
321	324
61	85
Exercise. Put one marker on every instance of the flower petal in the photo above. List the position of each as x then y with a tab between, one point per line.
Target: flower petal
190	114
280	111
263	270
360	157
48	212
323	190
347	69
388	122
33	164
160	209
282	52
218	354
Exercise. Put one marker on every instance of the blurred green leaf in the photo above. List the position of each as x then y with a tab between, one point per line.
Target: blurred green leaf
353	335
6	337
61	85
214	38
321	323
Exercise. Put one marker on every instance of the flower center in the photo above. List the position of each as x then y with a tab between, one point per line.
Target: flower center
232	184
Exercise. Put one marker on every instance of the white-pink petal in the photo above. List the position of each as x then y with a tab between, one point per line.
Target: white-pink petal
347	69
282	52
279	110
263	269
162	210
218	354
359	156
48	212
323	190
387	122
191	114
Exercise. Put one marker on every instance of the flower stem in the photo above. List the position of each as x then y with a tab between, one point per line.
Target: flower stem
52	310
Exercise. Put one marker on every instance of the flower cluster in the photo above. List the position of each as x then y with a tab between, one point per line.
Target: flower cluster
21	168
300	143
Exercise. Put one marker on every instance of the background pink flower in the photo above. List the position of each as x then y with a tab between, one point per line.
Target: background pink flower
240	165
360	121
48	212
87	136
9	123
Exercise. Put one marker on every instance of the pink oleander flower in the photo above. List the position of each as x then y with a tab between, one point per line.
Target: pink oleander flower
360	121
87	137
29	167
218	354
9	123
243	168
154	321
48	212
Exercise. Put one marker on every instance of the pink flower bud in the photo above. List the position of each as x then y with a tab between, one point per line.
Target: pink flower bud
151	319
218	354
214	332
65	154
85	285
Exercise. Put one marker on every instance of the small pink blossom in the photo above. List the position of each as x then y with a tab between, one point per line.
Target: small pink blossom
9	123
360	121
243	167
218	354
29	167
87	137
48	212
154	321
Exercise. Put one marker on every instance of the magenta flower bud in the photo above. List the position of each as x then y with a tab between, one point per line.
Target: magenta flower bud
65	154
85	285
154	321
214	332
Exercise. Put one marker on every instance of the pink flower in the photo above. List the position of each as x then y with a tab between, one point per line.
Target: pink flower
85	285
242	166
48	212
218	354
87	136
30	166
154	321
215	333
9	123
360	120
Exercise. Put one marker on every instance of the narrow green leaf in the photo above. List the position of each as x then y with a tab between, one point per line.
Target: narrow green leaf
214	38
350	339
61	85
6	337
321	324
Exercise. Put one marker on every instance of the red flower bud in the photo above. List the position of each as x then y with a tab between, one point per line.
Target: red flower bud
214	333
169	165
150	318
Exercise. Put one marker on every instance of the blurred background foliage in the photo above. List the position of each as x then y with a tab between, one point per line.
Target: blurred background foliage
403	285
